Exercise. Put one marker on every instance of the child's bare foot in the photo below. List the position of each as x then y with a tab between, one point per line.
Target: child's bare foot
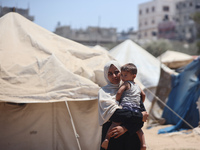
105	144
143	147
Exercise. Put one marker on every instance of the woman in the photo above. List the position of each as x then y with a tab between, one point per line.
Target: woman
124	136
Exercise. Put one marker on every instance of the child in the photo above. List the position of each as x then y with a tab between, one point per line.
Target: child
129	96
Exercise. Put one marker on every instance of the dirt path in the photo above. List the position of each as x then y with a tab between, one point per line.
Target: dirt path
184	140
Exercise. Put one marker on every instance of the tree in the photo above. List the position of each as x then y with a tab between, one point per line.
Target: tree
196	18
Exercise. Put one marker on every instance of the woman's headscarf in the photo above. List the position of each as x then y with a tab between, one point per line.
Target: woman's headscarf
107	96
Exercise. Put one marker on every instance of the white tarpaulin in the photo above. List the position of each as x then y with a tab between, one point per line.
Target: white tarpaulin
38	67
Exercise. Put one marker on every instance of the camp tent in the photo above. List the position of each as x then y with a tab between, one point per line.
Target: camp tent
49	88
175	59
100	48
183	99
148	66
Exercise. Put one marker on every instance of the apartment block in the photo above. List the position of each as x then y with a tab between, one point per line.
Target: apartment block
185	26
151	14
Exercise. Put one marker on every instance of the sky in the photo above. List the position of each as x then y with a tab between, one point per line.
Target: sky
120	14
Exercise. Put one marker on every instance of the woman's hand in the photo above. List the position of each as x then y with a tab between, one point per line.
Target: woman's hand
145	116
117	131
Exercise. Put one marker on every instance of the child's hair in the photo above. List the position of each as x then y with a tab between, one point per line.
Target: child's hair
130	67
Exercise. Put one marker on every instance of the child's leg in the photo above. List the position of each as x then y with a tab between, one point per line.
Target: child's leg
107	138
142	139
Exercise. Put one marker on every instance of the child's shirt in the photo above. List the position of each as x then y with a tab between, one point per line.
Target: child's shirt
132	96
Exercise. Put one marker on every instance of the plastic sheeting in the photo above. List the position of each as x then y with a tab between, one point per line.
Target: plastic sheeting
183	97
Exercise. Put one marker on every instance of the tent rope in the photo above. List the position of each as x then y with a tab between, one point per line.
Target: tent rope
170	109
73	126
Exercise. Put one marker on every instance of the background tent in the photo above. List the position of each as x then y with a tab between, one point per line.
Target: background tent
100	48
183	97
38	67
149	74
148	66
174	59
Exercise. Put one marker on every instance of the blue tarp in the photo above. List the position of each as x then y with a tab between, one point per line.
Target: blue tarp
182	99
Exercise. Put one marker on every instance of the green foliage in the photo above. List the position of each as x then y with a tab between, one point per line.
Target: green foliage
196	18
156	48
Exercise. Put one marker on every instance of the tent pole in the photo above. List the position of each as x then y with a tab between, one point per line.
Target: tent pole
73	126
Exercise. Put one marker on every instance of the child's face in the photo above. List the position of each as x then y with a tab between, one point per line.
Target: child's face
127	76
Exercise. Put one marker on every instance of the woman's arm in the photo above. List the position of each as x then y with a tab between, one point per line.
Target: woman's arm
129	119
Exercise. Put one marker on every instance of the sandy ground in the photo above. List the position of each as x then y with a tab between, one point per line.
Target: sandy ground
183	140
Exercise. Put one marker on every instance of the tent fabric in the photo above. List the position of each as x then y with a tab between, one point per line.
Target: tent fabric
39	72
39	66
100	48
162	93
42	126
148	66
174	59
183	97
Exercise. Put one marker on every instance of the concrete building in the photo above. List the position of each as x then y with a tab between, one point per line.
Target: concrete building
90	36
151	14
185	26
23	12
130	34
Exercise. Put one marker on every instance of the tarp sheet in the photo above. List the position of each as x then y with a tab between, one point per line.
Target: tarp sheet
183	97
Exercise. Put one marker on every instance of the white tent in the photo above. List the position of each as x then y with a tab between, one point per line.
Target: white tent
174	59
148	66
100	48
49	88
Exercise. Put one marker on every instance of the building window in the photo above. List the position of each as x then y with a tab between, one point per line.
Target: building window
177	6
147	10
165	8
154	33
185	18
198	5
140	12
191	4
153	9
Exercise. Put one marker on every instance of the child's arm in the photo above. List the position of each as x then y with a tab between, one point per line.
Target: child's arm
120	91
